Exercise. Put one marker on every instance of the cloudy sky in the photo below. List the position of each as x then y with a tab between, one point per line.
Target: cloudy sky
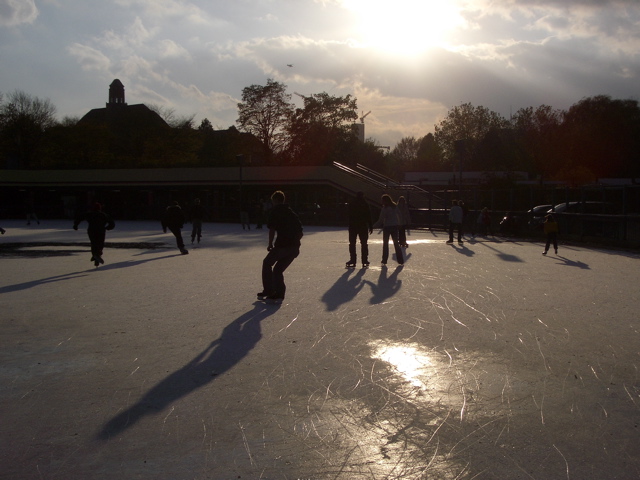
406	61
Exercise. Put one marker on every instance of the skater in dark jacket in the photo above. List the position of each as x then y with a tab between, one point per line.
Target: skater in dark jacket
99	222
285	228
360	226
196	215
551	230
173	219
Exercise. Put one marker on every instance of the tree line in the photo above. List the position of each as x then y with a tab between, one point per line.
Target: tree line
596	137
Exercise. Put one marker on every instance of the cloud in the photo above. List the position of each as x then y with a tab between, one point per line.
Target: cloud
134	37
89	58
196	56
170	49
17	12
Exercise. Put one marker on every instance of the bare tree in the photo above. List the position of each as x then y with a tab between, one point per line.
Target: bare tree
23	120
265	111
173	120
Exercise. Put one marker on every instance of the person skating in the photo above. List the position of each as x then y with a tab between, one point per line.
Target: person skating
360	226
405	221
31	210
484	222
196	215
551	230
285	232
455	221
389	222
99	222
173	219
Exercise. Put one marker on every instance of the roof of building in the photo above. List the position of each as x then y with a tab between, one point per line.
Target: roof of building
119	115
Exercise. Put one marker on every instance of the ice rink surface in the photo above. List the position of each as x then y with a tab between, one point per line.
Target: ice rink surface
481	361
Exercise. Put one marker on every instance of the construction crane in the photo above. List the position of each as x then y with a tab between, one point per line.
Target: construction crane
364	116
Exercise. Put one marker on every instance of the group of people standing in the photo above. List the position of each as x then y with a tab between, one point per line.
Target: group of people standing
394	220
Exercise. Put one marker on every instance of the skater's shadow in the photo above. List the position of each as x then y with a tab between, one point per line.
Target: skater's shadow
501	255
573	263
34	283
344	289
386	286
132	263
236	341
463	249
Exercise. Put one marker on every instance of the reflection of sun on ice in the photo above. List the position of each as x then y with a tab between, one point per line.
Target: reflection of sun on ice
405	27
411	361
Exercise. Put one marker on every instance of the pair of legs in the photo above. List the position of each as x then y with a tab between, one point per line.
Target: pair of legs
458	227
196	231
363	235
402	235
273	267
244	220
32	216
551	238
177	232
393	233
96	237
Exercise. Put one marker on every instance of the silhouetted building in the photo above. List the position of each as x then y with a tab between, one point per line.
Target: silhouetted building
118	115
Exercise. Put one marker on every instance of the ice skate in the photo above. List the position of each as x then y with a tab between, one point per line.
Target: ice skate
350	264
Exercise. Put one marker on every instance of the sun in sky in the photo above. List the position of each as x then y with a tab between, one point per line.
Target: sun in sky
404	27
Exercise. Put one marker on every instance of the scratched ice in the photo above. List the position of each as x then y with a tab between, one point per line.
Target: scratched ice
480	361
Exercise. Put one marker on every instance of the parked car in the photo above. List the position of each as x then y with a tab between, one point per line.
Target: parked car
536	215
584	207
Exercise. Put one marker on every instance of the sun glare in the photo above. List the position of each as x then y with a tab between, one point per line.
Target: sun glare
404	27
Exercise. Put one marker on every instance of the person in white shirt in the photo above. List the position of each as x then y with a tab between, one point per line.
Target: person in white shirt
455	221
389	222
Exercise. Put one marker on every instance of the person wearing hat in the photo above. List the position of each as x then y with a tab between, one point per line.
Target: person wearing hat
99	222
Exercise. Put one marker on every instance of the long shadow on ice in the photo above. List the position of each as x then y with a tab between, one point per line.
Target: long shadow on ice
386	286
132	263
572	263
42	281
236	341
344	290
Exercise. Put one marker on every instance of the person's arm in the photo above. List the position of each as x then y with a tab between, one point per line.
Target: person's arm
369	219
272	236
